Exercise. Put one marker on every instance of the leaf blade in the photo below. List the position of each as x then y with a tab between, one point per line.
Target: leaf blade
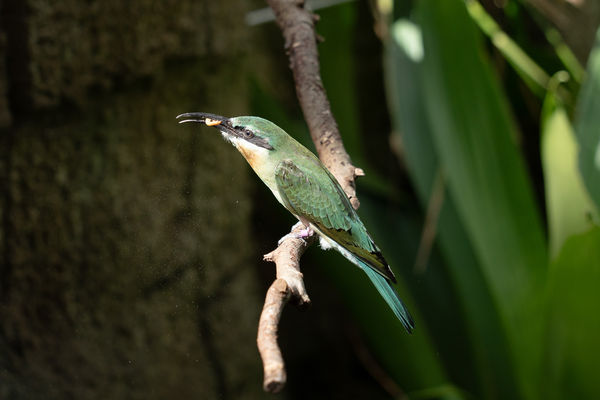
588	133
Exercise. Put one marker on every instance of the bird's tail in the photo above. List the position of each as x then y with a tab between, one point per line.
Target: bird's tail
384	287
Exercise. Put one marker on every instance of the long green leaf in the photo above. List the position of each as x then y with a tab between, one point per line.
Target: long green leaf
404	73
411	360
475	139
573	327
568	204
587	127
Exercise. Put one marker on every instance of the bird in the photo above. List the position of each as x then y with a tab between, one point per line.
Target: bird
306	188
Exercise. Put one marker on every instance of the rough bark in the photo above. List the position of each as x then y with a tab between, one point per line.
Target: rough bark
117	278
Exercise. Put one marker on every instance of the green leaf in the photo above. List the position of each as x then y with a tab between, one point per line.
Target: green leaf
411	360
573	328
488	345
475	140
568	204
588	123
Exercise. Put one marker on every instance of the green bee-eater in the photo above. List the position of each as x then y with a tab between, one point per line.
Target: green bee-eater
302	184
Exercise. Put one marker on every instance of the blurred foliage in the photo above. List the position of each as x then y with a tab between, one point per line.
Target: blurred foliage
501	145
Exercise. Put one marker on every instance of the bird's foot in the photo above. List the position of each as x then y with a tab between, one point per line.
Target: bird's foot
301	234
305	233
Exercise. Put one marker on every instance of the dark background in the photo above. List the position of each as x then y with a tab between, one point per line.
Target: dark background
132	246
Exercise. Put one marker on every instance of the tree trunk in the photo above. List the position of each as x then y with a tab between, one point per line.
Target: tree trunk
125	236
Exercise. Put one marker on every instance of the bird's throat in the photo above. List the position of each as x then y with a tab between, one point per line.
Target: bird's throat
254	158
260	161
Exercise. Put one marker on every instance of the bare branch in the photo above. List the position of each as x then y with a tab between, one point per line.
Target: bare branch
288	285
274	368
297	26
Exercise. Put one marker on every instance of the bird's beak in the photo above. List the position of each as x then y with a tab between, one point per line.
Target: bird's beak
224	125
205	118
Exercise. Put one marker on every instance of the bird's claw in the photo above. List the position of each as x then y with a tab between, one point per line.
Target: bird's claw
305	233
302	234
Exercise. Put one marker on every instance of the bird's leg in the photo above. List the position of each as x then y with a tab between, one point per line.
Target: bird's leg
298	234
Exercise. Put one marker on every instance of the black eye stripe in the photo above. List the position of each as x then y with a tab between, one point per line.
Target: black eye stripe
250	136
247	132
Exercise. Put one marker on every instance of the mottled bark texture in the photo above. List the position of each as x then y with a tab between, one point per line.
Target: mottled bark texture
118	276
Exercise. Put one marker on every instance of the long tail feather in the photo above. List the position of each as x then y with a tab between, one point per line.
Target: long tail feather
384	287
391	297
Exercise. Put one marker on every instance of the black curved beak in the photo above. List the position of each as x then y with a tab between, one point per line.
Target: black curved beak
205	118
224	125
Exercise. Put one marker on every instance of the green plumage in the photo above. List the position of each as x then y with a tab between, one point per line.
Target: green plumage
315	196
308	190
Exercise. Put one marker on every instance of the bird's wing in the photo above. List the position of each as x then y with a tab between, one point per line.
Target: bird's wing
317	198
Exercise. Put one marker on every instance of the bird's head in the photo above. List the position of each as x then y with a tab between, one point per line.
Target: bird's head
251	133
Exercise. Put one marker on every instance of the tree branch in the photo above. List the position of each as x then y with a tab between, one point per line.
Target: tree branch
288	285
297	25
298	30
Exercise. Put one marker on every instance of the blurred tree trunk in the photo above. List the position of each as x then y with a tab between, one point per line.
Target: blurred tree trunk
124	236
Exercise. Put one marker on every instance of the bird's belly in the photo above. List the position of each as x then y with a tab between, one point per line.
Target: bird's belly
327	243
